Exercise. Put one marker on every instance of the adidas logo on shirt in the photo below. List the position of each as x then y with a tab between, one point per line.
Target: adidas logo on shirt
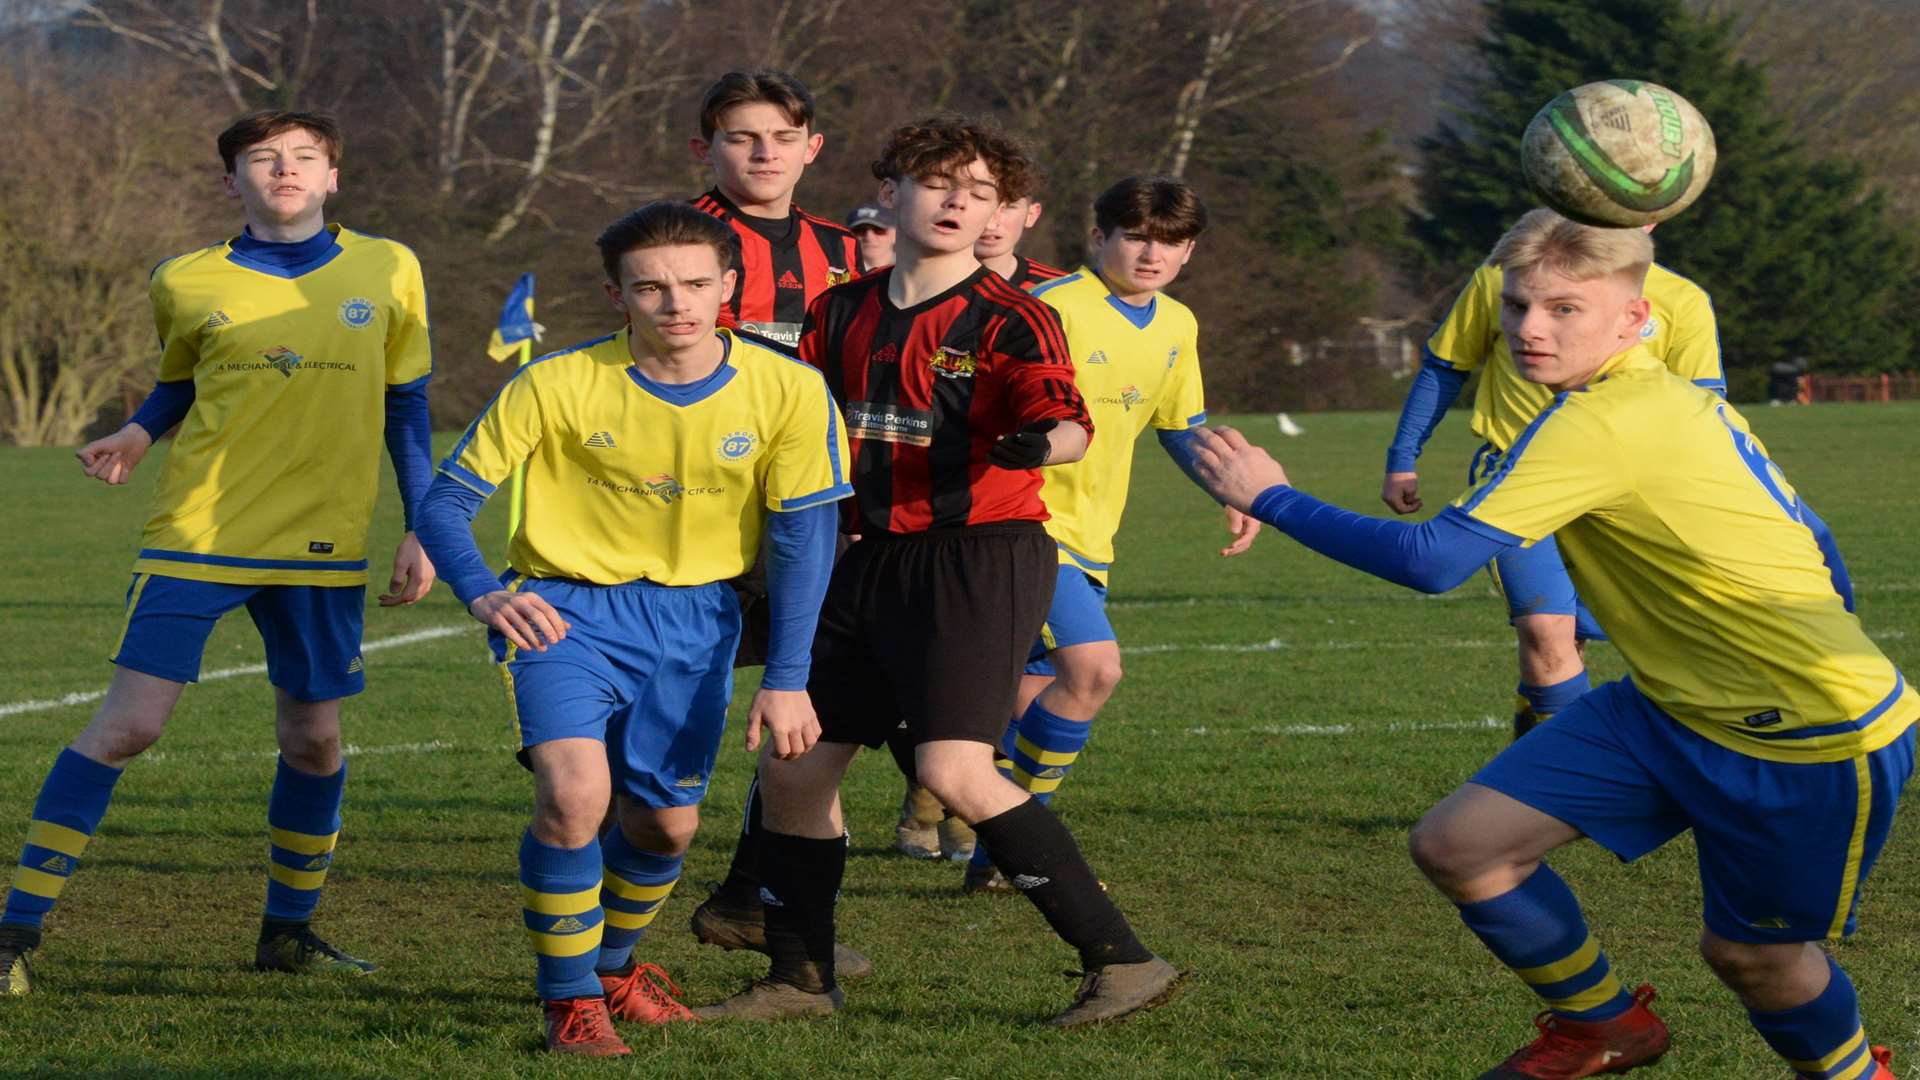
1098	357
601	440
218	319
790	280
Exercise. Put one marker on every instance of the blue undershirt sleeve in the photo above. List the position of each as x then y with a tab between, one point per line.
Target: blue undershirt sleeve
1179	447
1433	556
799	560
1830	548
167	404
410	444
444	524
1428	399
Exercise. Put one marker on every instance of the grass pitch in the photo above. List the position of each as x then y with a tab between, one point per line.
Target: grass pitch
1246	795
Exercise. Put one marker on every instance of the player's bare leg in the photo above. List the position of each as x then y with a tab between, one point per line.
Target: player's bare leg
1550	654
1483	850
803	857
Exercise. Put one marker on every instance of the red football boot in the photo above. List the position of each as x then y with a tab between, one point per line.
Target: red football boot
1569	1049
645	993
1882	1064
582	1026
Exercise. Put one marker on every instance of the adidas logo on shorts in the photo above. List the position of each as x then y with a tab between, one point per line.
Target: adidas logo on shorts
690	781
355	666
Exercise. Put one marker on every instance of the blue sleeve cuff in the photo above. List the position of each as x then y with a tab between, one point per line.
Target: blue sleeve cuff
445	530
1433	392
1830	551
1433	556
799	555
166	405
409	435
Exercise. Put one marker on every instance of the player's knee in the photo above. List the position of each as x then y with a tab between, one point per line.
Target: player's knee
958	784
568	819
1096	682
1547	639
315	752
1439	850
1743	967
662	835
123	738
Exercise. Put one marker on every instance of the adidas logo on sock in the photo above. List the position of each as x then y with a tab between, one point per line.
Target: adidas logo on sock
1054	772
568	925
767	897
1023	882
59	864
320	862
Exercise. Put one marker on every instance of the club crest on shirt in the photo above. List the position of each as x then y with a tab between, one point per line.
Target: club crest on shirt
738	444
357	312
838	275
950	363
283	359
1651	327
1173	357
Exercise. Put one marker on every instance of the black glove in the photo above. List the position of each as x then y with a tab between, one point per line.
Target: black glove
1027	448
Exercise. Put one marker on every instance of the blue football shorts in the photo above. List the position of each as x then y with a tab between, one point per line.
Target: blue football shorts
646	669
311	632
1784	847
1534	580
1078	616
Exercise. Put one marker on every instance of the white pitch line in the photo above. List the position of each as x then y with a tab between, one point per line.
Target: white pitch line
85	697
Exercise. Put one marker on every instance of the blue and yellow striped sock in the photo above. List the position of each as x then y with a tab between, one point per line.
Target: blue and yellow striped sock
560	898
303	823
633	890
1538	931
72	801
1036	754
1822	1039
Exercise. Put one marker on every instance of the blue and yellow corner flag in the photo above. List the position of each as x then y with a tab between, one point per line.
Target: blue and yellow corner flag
516	321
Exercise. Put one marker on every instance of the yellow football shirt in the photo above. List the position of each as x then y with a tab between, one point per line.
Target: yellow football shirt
1680	332
272	477
1686	541
1134	368
628	479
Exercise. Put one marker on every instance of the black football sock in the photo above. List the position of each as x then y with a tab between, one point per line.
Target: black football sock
741	890
1038	856
801	878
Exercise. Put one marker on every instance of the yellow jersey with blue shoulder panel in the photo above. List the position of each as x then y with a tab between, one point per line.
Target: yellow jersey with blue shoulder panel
271	479
629	479
1687	543
1680	332
1135	366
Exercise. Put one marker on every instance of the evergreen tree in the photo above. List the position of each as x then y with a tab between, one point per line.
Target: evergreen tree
1801	258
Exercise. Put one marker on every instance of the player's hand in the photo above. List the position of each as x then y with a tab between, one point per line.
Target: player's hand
412	574
113	458
1234	470
1401	492
524	618
1244	528
789	720
1028	448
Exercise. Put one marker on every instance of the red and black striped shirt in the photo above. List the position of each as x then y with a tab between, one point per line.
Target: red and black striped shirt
927	389
1030	272
785	263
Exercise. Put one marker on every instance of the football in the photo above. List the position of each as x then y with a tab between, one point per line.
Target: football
1618	153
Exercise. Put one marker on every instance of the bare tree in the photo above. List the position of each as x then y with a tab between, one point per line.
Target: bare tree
92	189
258	52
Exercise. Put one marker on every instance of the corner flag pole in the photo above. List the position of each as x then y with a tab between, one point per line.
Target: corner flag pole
517	494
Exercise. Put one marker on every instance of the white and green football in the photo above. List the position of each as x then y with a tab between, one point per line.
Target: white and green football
1618	153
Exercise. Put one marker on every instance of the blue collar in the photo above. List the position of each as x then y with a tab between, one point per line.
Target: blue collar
691	393
285	260
1137	314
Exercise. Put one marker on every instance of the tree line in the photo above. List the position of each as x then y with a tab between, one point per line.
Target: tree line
1359	157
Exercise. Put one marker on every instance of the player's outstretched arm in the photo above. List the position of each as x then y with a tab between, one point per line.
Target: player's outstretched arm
1434	556
1179	446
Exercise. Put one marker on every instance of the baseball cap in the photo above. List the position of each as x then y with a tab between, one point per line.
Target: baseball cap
871	215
